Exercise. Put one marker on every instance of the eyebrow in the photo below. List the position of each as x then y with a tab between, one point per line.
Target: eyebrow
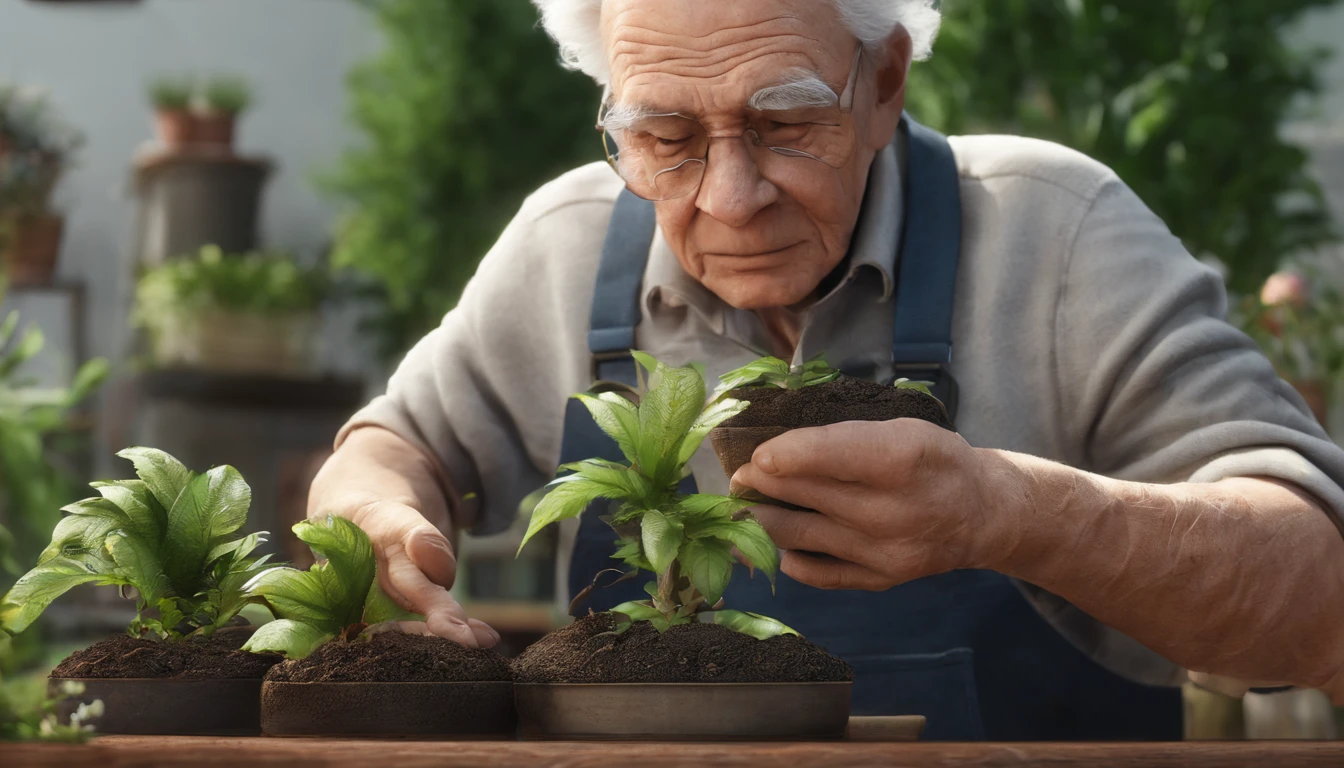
801	89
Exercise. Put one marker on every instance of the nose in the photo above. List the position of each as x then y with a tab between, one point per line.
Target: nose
733	190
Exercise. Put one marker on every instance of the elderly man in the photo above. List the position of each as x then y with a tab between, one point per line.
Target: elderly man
1133	498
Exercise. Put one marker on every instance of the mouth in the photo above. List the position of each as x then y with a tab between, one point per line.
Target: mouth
768	256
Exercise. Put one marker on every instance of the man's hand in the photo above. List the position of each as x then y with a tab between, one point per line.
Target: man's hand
384	485
899	500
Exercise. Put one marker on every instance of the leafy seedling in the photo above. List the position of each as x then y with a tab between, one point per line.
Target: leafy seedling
172	535
918	386
336	599
685	540
774	372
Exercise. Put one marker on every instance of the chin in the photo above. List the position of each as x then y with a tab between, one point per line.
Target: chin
758	291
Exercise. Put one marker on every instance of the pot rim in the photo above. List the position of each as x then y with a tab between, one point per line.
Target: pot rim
177	680
404	682
685	685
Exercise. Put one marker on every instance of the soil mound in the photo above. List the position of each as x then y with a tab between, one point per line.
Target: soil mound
394	657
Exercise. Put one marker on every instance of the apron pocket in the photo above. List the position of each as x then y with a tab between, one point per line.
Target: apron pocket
940	686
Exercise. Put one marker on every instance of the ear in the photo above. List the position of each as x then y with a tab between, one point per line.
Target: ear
891	64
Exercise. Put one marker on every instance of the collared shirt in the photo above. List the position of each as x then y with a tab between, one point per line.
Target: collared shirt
1083	332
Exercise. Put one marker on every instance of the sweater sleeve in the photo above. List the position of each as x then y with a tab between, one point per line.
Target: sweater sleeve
484	393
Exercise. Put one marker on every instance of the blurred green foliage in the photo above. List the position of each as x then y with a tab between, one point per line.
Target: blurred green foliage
266	283
1183	98
463	113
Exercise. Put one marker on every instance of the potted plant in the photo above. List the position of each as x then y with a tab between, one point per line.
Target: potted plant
680	664
36	148
812	395
174	537
351	671
217	108
173	121
247	313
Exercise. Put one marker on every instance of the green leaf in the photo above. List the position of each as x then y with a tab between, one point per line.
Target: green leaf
661	536
708	563
378	607
299	596
918	386
29	345
237	548
568	497
36	589
81	537
666	414
631	552
292	638
717	413
164	475
623	481
616	416
749	538
133	499
211	507
637	611
754	624
350	568
704	506
766	370
139	565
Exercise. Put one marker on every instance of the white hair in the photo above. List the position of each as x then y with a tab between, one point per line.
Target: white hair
576	27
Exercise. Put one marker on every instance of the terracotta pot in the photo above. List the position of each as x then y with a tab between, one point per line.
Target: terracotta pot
174	127
214	129
29	246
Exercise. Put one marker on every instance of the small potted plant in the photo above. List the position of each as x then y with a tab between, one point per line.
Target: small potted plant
812	395
216	110
174	537
173	121
36	149
246	313
680	664
351	671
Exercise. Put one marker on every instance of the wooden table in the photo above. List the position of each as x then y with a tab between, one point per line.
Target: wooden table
126	751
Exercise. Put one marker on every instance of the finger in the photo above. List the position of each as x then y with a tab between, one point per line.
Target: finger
841	500
405	583
486	636
429	549
413	628
852	451
811	532
832	574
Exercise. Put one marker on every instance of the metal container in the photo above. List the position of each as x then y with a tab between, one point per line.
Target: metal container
683	711
482	710
169	707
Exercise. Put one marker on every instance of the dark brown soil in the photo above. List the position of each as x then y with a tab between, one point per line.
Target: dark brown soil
588	651
217	657
394	657
844	399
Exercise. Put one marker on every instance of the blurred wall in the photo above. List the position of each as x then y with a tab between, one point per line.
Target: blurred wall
96	60
1323	131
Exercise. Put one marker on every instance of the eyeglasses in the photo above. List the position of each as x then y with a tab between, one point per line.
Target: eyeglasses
664	156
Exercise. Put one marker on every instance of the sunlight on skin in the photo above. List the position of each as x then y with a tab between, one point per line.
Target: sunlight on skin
758	243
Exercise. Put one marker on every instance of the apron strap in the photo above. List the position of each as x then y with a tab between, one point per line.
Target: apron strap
615	314
930	248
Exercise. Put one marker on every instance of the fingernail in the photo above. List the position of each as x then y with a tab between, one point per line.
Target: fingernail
495	635
764	459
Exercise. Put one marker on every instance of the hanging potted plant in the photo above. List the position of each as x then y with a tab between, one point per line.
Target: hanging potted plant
612	675
174	537
216	110
174	124
36	149
247	313
351	671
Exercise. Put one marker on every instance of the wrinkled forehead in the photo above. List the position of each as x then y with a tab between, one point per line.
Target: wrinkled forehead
708	56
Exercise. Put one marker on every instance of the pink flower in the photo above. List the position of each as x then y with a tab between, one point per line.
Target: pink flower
1285	288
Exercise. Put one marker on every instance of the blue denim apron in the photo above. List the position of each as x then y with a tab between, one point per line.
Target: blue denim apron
964	648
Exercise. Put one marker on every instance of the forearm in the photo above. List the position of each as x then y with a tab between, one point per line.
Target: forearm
374	466
1242	578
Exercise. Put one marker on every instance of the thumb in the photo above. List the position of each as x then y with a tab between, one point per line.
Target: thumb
430	551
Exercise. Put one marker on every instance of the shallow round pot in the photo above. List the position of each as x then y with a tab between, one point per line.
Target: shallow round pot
735	445
470	710
689	711
166	707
